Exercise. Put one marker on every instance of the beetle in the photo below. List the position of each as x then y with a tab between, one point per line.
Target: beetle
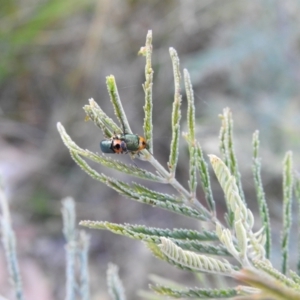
134	142
114	145
124	143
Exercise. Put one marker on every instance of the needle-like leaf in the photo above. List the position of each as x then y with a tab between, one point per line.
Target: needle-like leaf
115	285
260	194
100	118
116	102
194	293
227	148
287	208
148	124
191	132
176	114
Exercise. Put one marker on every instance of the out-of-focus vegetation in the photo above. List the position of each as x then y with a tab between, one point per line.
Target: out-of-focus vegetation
54	55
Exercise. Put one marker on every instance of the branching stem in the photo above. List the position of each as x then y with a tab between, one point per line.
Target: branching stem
188	199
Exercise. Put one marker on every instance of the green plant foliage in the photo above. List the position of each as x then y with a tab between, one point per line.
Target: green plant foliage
297	194
76	254
289	282
295	277
153	235
227	148
190	136
262	204
266	286
176	114
194	261
115	286
9	245
84	282
148	126
105	123
107	162
235	250
205	179
287	207
193	293
116	102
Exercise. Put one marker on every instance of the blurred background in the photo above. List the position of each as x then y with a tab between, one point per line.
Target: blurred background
55	55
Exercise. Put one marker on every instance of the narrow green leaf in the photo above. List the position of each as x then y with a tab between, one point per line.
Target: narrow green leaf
121	167
227	148
193	169
191	105
229	186
70	233
69	219
114	283
99	117
268	268
296	278
143	191
237	206
223	141
158	253
76	151
287	208
131	193
153	235
205	179
297	195
116	102
127	191
191	132
194	292
176	234
260	194
176	114
148	124
9	243
242	241
267	287
127	230
196	262
199	247
83	257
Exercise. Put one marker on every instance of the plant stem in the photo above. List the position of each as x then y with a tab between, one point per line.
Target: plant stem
187	197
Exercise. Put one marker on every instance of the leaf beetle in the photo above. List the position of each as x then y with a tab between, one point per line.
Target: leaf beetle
114	145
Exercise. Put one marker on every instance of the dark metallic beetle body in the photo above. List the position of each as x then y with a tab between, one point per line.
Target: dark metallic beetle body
113	145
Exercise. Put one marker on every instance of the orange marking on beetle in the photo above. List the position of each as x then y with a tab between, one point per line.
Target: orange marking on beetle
118	146
142	144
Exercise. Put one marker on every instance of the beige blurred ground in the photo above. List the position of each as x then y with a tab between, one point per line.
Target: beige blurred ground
55	56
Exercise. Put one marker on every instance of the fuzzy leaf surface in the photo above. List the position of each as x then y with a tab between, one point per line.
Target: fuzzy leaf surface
117	104
287	208
196	262
148	124
176	114
260	194
153	235
194	292
103	160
